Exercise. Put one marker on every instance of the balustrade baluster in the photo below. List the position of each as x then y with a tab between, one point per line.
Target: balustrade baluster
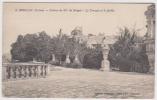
4	72
41	70
14	71
17	71
45	67
38	70
11	73
29	69
33	69
20	71
8	72
25	72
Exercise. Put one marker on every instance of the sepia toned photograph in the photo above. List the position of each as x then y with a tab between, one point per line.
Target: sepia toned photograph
78	50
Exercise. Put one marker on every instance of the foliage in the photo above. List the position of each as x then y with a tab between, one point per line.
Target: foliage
41	47
128	54
93	59
31	46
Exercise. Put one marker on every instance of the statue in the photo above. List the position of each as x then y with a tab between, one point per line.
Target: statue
67	61
53	58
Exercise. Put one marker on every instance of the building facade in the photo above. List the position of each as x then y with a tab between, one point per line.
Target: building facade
150	36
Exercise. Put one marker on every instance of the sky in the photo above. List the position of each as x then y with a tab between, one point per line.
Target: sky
94	18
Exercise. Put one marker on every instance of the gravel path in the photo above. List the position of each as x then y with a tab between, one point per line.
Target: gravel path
83	83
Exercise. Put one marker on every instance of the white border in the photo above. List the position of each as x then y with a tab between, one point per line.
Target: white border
111	1
146	1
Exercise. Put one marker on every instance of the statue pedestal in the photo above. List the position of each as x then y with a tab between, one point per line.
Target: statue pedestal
105	66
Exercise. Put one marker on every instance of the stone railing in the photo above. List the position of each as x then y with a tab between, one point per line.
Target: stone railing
24	70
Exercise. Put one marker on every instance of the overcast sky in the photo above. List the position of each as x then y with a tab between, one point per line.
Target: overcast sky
17	22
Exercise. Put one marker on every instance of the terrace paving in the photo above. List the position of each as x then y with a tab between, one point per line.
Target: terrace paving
82	83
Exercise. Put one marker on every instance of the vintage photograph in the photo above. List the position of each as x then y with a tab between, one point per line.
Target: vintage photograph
78	50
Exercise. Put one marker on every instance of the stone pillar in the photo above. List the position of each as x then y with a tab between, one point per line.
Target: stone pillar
105	66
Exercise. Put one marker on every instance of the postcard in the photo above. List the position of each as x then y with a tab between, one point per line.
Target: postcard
78	50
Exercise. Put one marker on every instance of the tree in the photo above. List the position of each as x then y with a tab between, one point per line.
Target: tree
31	46
126	54
17	50
43	47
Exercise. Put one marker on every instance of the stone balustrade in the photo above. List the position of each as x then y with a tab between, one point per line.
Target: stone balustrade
24	70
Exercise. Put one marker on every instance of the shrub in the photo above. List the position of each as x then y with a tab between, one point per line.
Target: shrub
127	55
72	65
75	65
93	60
54	63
